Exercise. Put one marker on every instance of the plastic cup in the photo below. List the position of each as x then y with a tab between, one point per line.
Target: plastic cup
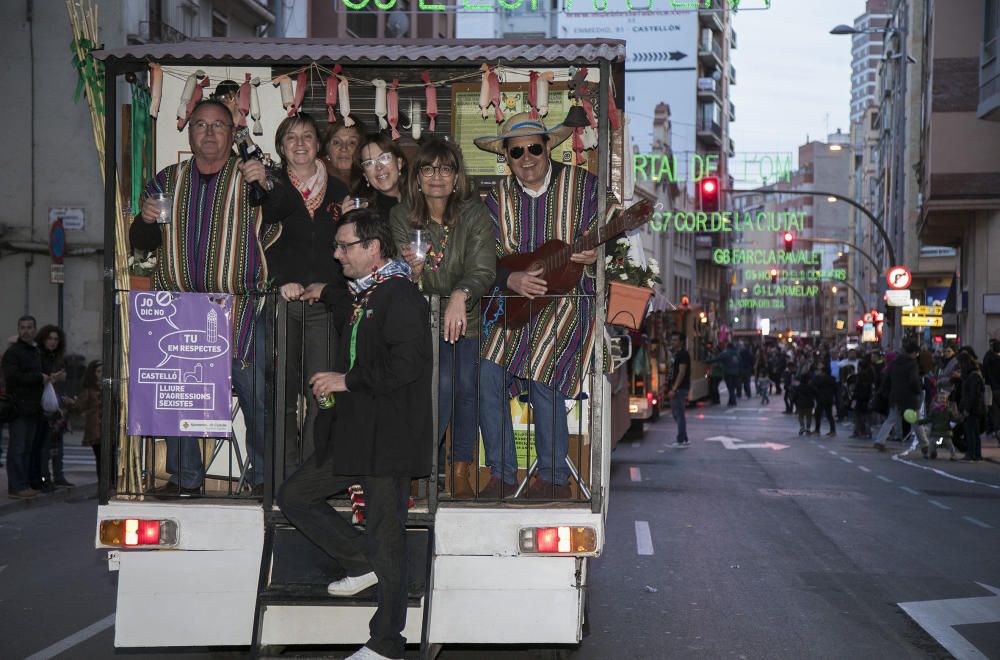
164	203
420	243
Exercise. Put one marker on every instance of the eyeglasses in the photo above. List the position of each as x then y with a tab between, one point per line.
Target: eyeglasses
535	149
201	126
345	246
427	171
384	159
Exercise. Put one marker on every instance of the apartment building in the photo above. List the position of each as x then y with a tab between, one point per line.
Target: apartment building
866	52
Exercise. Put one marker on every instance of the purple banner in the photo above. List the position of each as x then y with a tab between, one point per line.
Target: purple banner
180	364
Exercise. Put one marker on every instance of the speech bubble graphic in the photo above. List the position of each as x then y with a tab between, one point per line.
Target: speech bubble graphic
191	345
155	306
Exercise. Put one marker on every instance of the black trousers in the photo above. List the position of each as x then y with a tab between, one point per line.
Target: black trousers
381	548
825	409
733	385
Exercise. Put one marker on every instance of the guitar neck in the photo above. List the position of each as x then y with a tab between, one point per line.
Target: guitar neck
623	220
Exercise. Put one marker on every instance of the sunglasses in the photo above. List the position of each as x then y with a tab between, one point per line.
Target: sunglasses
535	149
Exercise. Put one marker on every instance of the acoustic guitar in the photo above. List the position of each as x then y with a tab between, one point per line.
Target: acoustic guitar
560	274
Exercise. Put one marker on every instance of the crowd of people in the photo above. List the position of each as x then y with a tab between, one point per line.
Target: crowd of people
38	409
928	399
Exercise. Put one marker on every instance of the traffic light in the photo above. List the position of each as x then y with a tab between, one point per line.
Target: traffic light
774	275
685	301
708	194
861	324
788	238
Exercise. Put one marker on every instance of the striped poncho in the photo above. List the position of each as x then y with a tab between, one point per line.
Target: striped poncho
214	242
555	347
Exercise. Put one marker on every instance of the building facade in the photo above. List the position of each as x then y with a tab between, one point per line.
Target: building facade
866	52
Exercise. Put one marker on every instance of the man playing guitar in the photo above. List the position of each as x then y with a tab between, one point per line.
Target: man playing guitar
542	200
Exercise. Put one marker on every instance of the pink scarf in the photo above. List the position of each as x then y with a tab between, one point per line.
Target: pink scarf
313	189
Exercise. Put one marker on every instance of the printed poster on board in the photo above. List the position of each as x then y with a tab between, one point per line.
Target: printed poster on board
180	364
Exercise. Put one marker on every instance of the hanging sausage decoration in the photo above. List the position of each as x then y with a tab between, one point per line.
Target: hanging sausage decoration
489	93
616	121
331	95
258	128
284	85
243	101
345	101
484	90
415	111
533	94
432	101
393	107
542	92
193	88
155	89
300	92
380	109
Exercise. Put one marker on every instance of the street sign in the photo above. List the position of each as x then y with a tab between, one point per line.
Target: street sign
868	333
57	242
73	218
898	297
899	277
56	274
923	321
924	310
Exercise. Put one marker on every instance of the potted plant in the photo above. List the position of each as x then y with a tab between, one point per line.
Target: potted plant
140	269
630	285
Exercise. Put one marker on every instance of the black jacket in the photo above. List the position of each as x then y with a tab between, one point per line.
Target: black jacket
22	373
382	425
826	388
904	383
971	401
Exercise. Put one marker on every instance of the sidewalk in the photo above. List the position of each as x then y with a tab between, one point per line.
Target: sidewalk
78	466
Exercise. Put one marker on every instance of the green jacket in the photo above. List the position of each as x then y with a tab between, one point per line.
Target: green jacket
469	258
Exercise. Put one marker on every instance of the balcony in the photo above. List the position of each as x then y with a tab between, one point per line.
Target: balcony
709	131
709	50
153	32
708	90
732	153
989	81
711	19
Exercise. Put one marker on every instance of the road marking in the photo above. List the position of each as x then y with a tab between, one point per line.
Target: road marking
885	479
864	469
939	618
821	445
945	474
634	474
845	459
908	490
69	642
833	453
643	539
736	443
939	505
977	523
636	444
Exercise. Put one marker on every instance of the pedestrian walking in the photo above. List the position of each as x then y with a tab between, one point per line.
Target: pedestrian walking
826	392
991	374
680	384
864	384
805	400
729	358
903	386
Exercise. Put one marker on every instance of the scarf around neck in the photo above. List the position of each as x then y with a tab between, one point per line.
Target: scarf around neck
392	268
312	189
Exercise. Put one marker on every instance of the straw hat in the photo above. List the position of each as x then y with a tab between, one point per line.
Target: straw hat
522	125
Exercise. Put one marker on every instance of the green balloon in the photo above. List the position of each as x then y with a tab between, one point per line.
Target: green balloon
910	415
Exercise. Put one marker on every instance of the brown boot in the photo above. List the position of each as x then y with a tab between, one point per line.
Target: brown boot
461	487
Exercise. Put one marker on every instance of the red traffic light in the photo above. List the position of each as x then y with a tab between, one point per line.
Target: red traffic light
685	301
774	275
861	324
789	238
708	194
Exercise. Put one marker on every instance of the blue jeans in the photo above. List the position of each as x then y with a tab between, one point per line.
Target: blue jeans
893	420
184	460
551	429
22	435
677	403
458	379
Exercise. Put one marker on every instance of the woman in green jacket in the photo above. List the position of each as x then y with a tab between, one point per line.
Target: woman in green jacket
457	261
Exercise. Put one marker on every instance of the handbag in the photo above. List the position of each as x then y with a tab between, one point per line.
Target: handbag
50	400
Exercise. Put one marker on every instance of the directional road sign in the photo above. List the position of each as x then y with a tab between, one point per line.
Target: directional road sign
924	310
923	321
736	443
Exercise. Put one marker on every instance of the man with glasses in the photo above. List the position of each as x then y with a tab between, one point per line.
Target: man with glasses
540	201
378	433
214	242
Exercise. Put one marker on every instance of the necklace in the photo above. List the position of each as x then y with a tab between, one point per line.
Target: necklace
435	257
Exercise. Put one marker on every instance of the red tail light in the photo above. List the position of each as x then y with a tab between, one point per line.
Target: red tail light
558	540
133	532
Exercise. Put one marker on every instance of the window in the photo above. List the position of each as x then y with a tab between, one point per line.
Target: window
220	25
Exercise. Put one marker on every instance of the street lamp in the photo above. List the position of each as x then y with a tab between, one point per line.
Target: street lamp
833	289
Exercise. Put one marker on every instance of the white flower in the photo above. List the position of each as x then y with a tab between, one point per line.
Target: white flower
654	267
608	260
623	276
624	241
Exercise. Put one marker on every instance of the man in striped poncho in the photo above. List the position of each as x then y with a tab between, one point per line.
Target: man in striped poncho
542	200
213	243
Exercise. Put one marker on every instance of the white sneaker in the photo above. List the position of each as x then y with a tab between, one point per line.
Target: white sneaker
350	586
365	653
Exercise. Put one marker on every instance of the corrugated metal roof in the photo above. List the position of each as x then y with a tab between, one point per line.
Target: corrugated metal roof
372	51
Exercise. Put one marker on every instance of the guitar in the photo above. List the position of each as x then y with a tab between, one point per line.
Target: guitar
560	274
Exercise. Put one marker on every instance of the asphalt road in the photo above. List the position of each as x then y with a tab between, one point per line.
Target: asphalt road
714	551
